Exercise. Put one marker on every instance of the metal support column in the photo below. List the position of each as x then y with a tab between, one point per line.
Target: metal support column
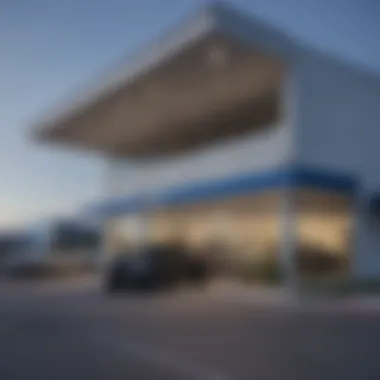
288	238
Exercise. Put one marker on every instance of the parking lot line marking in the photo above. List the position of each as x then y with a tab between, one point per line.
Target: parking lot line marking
168	361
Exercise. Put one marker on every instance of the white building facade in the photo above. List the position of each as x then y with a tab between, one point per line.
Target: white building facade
229	130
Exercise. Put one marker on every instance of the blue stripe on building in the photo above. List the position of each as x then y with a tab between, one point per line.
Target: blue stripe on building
238	185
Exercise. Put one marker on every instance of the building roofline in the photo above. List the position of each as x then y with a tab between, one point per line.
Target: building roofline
213	18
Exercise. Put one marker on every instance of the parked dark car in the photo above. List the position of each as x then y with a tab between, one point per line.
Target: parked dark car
153	268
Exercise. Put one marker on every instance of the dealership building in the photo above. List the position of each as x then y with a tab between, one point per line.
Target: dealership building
228	130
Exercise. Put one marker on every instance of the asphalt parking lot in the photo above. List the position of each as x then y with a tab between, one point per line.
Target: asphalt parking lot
73	331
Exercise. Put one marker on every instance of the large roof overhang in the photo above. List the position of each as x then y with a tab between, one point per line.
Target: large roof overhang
218	75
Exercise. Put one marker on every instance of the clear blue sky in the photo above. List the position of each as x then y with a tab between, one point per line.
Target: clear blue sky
49	48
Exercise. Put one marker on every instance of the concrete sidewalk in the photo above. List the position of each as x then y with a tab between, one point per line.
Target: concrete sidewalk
281	297
255	294
41	286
